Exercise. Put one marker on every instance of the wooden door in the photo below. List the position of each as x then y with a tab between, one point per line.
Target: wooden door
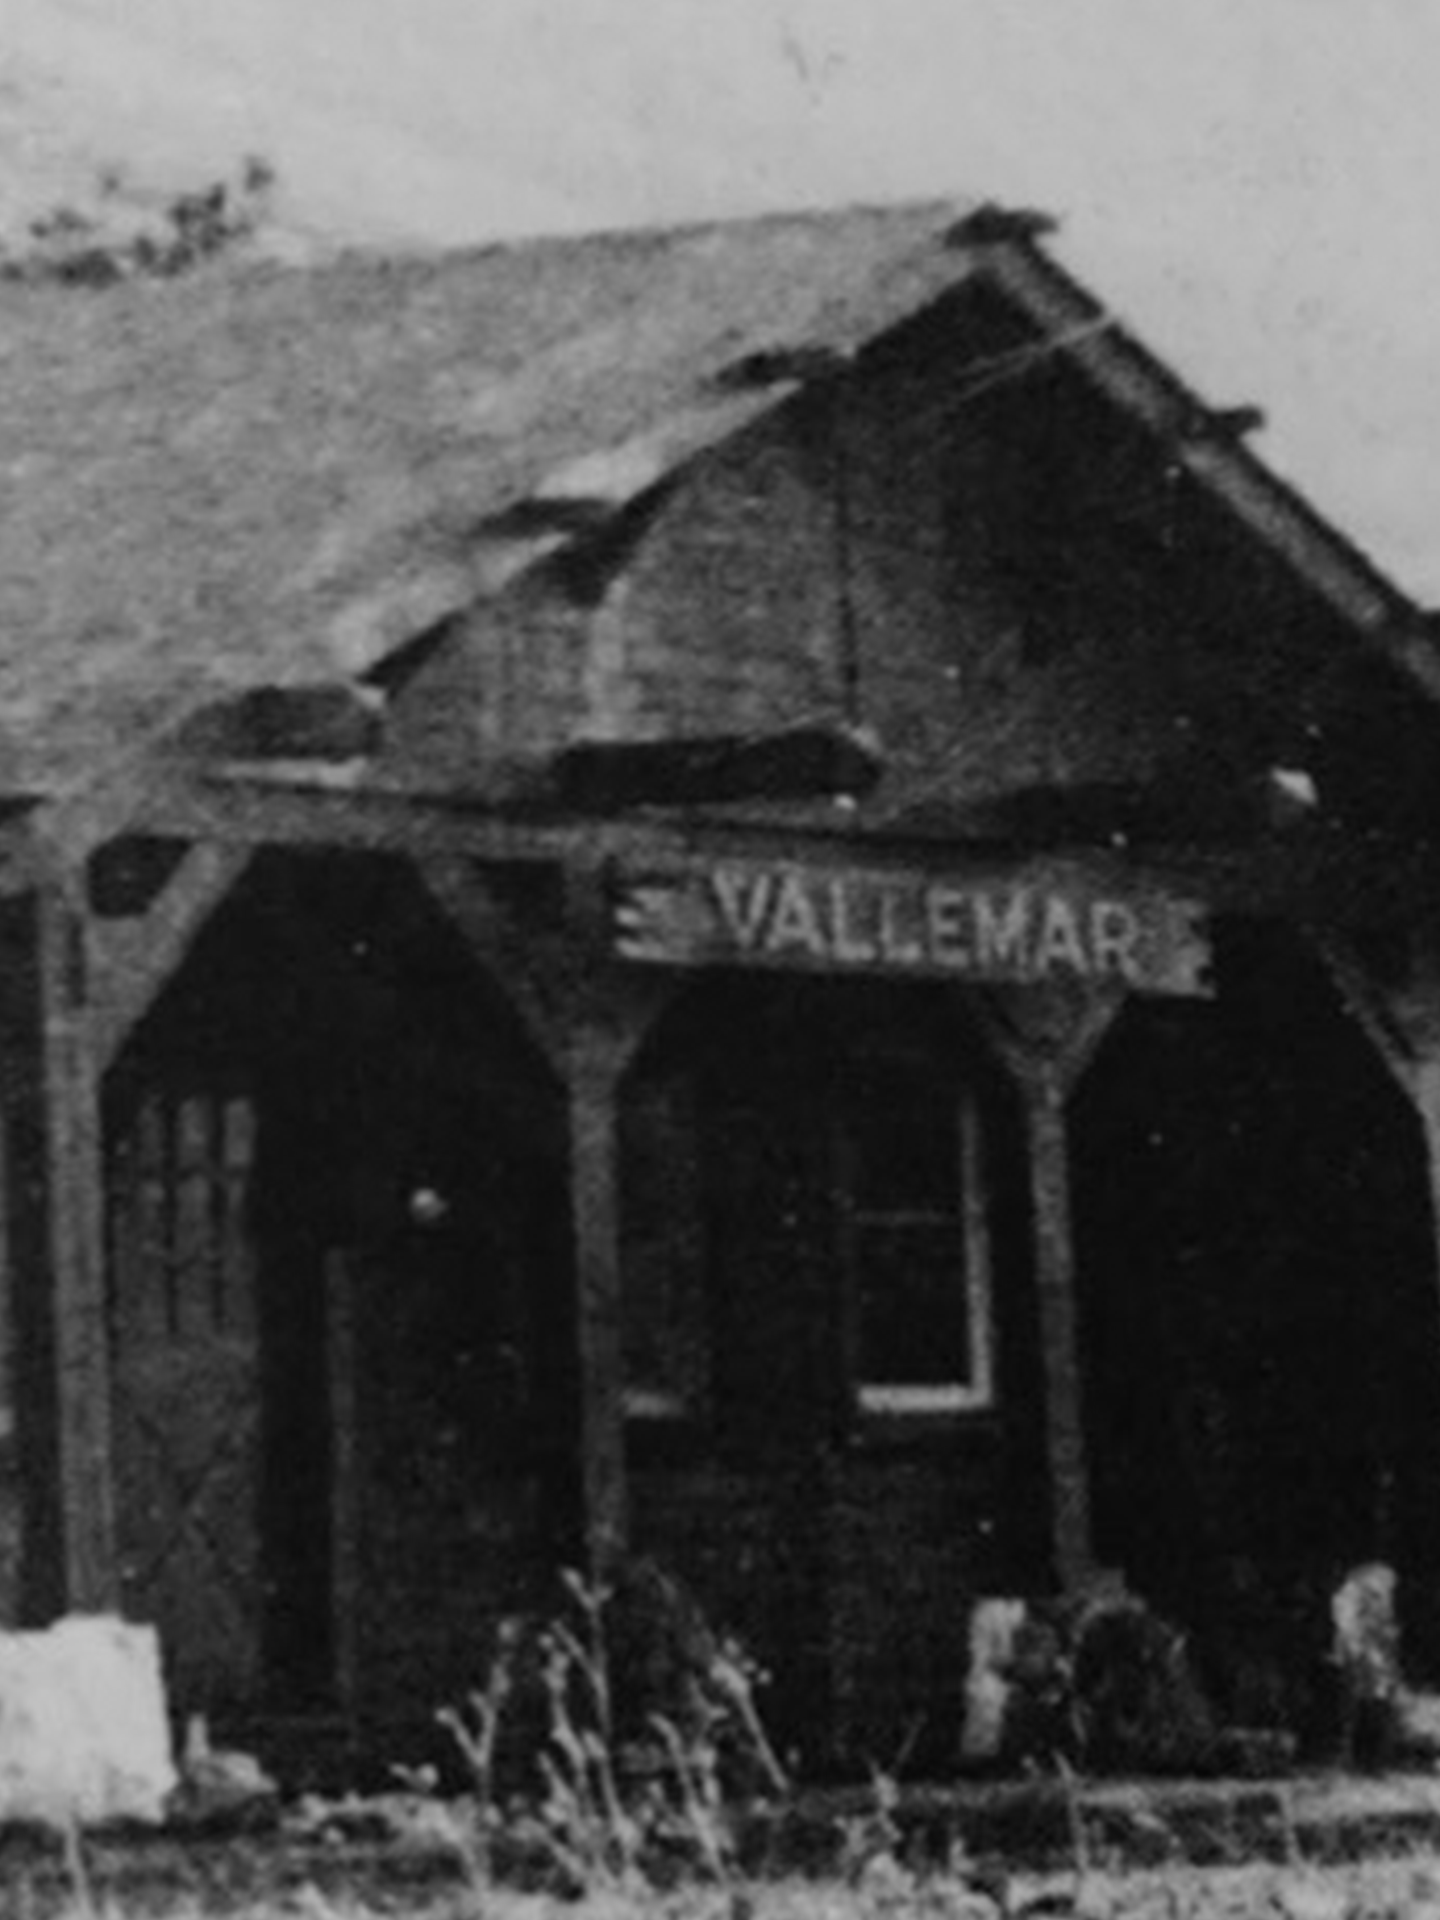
187	1386
452	1429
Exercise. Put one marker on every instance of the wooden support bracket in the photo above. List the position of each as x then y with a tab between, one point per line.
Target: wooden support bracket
132	959
531	978
1402	1021
1047	1034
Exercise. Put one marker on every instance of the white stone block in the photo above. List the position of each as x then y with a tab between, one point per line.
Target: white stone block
994	1629
84	1738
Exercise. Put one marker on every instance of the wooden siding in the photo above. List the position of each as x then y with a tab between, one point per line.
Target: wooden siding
757	594
850	1583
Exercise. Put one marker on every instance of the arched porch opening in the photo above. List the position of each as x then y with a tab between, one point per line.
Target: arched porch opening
340	1304
834	1429
1261	1321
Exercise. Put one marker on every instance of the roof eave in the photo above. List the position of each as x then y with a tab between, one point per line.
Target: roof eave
1123	369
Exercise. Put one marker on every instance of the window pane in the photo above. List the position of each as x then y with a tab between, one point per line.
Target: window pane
914	1312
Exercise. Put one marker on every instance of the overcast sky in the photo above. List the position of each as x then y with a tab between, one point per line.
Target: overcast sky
1254	184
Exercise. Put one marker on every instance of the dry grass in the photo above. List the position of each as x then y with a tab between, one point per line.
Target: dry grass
1405	1888
709	1827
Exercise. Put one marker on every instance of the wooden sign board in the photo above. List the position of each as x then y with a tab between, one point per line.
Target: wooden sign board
1020	927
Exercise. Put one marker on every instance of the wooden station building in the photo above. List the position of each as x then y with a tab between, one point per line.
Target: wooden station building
747	895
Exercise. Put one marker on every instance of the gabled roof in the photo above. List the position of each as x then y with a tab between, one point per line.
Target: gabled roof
276	477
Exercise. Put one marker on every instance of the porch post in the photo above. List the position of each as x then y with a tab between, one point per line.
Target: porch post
597	1056
73	1149
608	1011
1046	1037
587	1018
1072	1543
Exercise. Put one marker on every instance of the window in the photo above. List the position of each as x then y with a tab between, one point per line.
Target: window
180	1246
806	1224
915	1239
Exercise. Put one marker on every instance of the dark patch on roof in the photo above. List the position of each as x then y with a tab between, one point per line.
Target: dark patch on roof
769	366
992	225
608	776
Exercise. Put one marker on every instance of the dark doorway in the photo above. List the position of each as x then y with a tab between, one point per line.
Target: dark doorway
1258	1286
333	1138
417	1239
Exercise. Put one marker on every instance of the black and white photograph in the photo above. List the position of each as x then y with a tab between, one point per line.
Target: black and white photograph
719	959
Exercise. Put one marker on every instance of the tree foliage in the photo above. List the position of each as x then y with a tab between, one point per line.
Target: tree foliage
72	247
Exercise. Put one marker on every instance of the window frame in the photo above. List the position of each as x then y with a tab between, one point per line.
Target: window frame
680	1394
920	1402
179	1241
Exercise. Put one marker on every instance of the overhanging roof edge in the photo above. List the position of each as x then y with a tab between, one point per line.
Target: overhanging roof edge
1152	392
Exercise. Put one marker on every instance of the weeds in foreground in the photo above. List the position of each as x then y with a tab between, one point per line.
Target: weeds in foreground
616	1767
626	1794
876	1882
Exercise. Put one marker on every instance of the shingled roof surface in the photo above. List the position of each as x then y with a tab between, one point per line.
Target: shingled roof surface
275	476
